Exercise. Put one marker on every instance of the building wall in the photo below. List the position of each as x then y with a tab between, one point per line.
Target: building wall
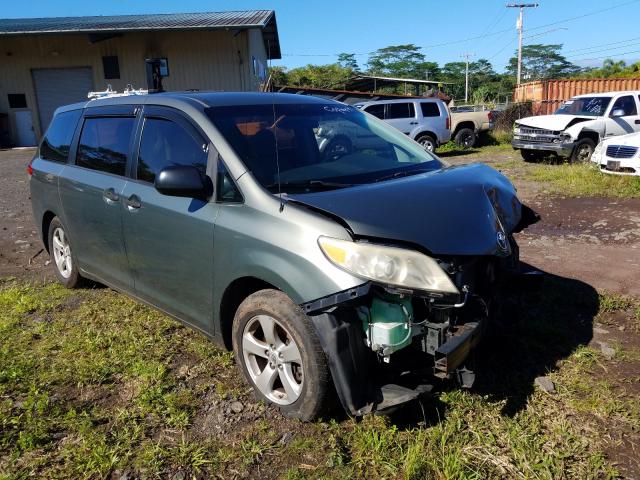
204	60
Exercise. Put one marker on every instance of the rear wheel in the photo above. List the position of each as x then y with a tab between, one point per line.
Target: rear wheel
279	353
531	155
583	150
427	142
466	138
62	255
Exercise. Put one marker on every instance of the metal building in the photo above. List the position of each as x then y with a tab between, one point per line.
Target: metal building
48	62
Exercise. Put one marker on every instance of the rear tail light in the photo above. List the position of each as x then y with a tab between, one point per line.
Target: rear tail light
448	123
29	169
490	116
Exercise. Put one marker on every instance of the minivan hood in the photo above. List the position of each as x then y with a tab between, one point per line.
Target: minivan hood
462	210
551	122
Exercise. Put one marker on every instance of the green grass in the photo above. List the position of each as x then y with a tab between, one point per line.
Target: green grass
582	180
93	384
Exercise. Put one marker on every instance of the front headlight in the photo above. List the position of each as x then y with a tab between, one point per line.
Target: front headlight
516	129
388	265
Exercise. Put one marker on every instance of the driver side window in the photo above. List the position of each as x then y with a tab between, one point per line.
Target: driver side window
626	103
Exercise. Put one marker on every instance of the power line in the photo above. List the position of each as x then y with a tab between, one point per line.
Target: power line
477	37
604	50
607	56
602	45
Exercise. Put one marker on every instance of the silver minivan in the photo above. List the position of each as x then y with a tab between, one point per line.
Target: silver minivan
371	270
425	120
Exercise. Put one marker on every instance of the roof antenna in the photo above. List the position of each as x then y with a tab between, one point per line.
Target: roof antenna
275	135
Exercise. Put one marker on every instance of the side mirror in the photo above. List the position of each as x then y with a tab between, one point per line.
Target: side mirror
184	181
618	112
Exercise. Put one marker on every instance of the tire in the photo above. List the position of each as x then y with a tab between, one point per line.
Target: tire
62	256
427	142
466	138
582	151
531	155
297	382
337	148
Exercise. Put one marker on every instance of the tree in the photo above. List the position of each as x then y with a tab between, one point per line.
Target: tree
348	60
332	75
542	61
397	61
613	68
278	75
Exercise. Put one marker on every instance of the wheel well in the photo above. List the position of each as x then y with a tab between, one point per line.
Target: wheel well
592	135
433	136
233	296
462	125
46	221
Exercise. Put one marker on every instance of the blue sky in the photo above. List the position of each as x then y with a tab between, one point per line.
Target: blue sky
313	32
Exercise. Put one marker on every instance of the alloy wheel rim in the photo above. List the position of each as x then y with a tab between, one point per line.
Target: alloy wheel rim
584	153
62	253
427	144
272	359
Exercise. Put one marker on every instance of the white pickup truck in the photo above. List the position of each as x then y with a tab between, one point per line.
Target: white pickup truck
578	126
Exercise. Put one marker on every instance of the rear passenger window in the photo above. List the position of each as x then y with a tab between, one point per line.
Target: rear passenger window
165	143
56	142
430	109
104	144
375	110
400	110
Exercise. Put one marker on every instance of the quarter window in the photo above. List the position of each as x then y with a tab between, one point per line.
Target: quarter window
400	110
626	103
56	142
104	144
165	143
430	109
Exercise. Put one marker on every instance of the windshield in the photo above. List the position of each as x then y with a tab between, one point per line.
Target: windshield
317	146
587	106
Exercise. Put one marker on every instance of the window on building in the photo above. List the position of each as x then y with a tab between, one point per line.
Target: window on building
57	141
376	110
400	110
111	67
104	144
430	109
165	143
17	100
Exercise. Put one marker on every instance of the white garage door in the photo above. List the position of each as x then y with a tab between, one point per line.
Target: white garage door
60	86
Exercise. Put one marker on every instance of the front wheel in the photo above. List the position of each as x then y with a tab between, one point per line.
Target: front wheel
427	142
279	353
583	150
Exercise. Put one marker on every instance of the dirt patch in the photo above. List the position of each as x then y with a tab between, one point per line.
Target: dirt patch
21	251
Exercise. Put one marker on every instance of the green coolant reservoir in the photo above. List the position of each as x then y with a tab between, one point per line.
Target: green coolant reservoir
387	323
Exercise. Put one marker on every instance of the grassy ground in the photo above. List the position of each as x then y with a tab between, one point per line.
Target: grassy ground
94	385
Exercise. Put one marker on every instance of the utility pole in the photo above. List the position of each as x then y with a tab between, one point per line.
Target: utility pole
519	26
466	75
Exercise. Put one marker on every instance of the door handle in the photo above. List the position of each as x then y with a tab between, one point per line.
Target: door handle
110	196
413	123
637	122
133	202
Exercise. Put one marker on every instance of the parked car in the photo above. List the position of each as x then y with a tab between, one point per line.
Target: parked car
619	155
467	125
578	126
366	270
425	120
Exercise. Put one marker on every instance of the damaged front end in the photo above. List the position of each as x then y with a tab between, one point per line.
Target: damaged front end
429	294
385	344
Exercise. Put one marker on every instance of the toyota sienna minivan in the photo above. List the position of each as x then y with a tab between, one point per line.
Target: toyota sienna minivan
369	270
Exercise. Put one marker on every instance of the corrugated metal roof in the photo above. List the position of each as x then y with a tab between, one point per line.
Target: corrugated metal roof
264	19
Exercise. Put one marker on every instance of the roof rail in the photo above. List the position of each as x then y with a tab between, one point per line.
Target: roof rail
110	92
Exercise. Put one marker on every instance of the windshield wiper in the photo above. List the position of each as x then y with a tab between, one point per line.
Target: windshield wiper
311	184
403	173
